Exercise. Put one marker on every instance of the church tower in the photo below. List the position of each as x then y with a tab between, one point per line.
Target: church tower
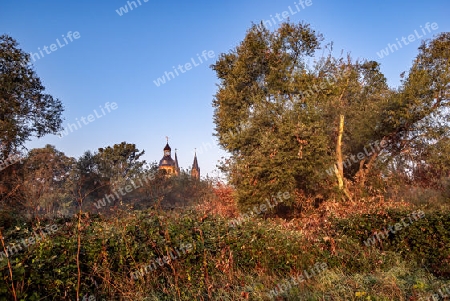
177	167
195	171
167	164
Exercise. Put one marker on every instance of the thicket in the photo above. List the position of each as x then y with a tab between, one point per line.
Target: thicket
225	263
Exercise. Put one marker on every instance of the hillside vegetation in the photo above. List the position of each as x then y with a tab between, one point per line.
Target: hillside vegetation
194	254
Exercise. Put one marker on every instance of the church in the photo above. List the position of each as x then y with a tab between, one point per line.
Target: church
171	167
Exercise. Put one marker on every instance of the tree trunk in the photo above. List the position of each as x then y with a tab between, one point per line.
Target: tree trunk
339	164
364	169
339	167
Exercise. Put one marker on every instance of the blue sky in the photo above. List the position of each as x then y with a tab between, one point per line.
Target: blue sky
116	59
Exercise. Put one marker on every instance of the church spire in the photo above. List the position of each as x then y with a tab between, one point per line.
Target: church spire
195	172
177	167
167	149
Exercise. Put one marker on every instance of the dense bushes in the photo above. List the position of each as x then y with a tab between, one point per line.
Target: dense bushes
426	241
229	263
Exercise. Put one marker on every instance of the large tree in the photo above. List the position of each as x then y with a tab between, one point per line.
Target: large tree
276	136
417	119
25	110
285	123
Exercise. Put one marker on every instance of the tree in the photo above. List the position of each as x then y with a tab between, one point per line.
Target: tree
276	136
417	119
352	105
87	183
25	110
285	123
119	163
46	172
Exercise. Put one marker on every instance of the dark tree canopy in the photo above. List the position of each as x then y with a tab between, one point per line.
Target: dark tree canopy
119	162
25	110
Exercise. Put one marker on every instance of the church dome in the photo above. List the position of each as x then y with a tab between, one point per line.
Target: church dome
166	161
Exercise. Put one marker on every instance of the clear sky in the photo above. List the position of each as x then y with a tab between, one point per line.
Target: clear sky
113	56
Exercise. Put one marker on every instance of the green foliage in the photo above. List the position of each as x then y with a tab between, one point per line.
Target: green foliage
228	262
417	117
104	172
427	240
25	110
275	137
45	178
118	163
279	117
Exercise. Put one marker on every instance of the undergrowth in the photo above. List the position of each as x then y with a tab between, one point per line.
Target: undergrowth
242	263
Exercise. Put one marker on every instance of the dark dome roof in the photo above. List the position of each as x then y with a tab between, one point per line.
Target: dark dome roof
167	147
166	161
